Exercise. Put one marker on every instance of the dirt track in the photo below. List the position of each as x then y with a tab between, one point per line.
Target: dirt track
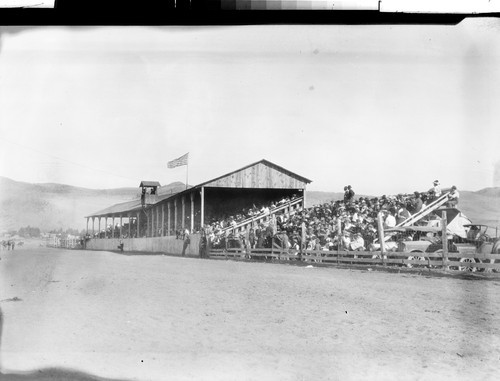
161	317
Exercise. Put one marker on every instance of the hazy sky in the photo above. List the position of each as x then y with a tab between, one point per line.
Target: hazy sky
386	109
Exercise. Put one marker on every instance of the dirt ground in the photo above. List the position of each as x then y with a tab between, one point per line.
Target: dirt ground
169	318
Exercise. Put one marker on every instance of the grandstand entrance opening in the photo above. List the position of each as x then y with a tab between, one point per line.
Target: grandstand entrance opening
224	203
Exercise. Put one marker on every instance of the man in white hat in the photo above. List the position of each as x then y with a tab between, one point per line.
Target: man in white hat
435	191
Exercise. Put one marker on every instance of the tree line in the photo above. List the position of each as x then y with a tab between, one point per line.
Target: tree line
35	232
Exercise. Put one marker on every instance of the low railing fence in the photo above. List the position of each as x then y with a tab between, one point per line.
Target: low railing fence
453	261
242	225
66	243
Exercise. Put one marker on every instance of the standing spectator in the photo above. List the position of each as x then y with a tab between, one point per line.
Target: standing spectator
259	234
453	197
203	248
346	194
349	194
251	238
187	241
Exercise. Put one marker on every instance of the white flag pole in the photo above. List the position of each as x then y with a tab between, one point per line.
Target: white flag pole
187	169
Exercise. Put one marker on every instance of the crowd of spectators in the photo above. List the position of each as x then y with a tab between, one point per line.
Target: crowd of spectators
348	224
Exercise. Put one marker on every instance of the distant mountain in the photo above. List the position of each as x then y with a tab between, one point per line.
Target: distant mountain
52	206
490	192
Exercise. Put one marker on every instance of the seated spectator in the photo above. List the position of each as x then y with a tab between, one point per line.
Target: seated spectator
357	243
417	203
453	197
345	241
402	214
390	220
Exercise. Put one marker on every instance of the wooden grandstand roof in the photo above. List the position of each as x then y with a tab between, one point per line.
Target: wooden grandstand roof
261	174
124	207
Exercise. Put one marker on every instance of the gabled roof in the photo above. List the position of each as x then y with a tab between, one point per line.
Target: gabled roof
132	206
265	162
149	184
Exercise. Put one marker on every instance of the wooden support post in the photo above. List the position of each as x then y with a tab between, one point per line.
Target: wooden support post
93	227
121	223
106	227
380	224
175	215
444	224
162	220
202	207
129	226
302	238
339	235
152	222
158	221
138	223
192	212
87	231
303	198
183	212
168	218
112	227
99	226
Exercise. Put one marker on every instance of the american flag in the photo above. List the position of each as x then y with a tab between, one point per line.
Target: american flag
183	160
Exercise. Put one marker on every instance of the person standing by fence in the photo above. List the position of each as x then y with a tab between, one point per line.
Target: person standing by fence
187	241
203	244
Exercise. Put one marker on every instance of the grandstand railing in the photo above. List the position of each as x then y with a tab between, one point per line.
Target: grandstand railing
426	210
242	225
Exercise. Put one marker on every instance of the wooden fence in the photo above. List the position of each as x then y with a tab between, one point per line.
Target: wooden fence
66	243
451	261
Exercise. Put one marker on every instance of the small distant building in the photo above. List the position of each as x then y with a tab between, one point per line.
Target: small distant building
149	192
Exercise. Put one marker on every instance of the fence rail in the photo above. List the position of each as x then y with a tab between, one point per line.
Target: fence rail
453	261
66	243
240	226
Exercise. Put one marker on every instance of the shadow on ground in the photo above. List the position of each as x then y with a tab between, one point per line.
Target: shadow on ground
52	374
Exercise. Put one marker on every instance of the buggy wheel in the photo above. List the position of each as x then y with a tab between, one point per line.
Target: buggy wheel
415	256
467	265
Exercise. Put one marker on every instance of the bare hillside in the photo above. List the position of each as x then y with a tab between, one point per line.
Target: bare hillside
53	206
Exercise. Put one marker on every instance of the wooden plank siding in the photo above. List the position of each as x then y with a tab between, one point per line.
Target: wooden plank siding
259	175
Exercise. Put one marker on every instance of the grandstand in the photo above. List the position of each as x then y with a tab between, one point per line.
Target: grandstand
154	226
